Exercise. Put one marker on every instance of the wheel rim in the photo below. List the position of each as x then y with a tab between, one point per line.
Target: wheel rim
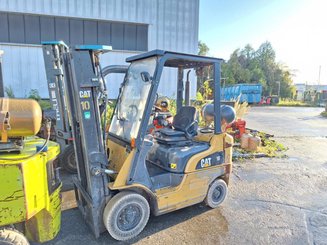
217	193
129	217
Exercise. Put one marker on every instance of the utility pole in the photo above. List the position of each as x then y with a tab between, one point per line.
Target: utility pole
278	92
223	88
319	77
2	89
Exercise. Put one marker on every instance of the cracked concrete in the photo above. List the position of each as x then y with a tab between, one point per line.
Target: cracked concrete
271	201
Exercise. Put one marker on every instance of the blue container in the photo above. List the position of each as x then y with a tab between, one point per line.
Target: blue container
250	93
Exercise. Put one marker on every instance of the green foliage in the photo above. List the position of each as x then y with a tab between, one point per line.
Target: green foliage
324	114
290	102
203	49
45	104
259	66
199	96
9	92
172	106
205	91
110	111
34	94
204	73
271	147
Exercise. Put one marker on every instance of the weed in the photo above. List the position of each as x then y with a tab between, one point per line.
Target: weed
9	92
289	102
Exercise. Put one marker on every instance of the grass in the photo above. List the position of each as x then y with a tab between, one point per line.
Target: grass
270	147
289	102
324	113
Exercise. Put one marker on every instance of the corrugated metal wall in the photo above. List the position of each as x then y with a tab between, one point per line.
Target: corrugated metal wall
173	25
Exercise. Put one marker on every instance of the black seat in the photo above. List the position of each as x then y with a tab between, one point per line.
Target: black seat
184	128
185	121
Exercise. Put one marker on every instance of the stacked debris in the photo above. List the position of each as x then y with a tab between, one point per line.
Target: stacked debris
251	143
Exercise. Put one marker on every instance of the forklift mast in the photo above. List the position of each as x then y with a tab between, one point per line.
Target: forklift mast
52	53
85	99
84	88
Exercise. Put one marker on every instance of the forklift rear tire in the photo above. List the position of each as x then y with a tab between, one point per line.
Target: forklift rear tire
68	159
126	215
216	194
9	236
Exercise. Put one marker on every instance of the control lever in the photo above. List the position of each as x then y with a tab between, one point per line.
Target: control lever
98	171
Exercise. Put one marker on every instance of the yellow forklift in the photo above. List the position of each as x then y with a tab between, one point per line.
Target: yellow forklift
177	167
127	173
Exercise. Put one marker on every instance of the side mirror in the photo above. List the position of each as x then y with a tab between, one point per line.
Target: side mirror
146	76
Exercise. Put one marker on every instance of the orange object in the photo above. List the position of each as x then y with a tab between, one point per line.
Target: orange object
133	143
238	127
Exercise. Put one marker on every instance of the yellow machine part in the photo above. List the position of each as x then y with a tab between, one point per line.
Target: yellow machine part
25	116
27	194
195	183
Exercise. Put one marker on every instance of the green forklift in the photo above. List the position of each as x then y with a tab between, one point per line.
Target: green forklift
30	204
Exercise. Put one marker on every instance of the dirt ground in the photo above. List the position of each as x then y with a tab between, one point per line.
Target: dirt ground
271	201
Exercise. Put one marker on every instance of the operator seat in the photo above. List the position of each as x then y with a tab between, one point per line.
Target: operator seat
175	145
184	128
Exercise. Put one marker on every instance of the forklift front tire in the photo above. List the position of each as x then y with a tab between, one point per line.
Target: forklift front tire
126	215
217	193
68	159
9	236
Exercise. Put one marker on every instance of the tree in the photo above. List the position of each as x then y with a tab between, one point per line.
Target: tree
205	73
259	66
203	49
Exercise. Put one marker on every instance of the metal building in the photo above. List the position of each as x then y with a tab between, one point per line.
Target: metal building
129	26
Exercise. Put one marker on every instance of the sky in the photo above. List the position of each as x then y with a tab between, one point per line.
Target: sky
297	30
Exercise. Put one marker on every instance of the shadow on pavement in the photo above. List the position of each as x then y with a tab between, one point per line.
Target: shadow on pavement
75	231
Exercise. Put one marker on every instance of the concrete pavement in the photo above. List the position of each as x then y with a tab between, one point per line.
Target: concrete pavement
271	201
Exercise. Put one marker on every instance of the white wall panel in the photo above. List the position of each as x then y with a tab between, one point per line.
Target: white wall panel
173	25
23	70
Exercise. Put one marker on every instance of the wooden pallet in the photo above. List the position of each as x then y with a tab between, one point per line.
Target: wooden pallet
68	200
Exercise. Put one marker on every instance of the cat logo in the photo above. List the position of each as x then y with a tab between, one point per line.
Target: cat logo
205	162
85	94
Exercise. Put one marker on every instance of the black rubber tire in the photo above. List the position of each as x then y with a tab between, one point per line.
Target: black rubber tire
68	160
114	214
217	193
9	236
